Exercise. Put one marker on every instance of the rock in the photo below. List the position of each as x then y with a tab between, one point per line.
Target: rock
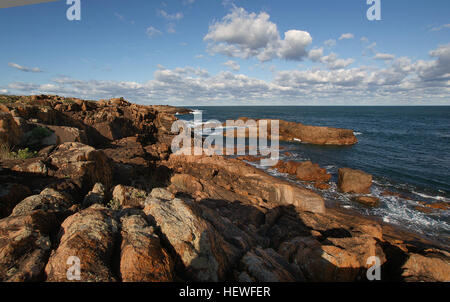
267	266
429	269
32	165
10	195
292	131
354	181
322	186
10	132
91	236
321	263
289	167
66	134
186	182
129	196
142	257
217	177
205	255
162	193
25	246
82	164
47	200
307	171
369	201
96	195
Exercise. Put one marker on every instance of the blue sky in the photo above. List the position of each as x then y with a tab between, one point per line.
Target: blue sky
207	52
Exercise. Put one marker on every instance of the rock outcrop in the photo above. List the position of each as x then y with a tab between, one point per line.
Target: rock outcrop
107	194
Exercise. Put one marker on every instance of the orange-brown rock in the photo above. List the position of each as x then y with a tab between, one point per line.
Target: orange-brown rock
307	171
25	246
204	253
369	201
82	164
292	131
322	186
219	177
142	258
432	267
354	181
91	236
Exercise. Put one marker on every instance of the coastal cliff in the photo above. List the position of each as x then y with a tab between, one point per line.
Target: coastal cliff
97	180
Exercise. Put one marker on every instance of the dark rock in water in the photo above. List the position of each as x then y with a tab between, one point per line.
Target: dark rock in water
369	201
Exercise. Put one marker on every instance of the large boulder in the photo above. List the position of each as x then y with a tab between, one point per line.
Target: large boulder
83	164
205	255
129	197
218	177
260	265
89	235
10	132
25	246
47	200
307	171
354	181
430	268
142	258
321	263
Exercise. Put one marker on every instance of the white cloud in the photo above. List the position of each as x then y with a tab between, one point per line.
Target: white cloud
233	65
316	54
402	79
330	43
384	56
346	36
170	17
438	28
23	68
151	31
245	35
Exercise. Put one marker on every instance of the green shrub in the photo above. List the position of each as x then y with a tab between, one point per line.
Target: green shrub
24	154
114	204
40	133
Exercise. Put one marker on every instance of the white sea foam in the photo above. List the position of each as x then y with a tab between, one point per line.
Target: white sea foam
357	133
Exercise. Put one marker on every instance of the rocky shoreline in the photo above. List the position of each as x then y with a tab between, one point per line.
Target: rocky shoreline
98	182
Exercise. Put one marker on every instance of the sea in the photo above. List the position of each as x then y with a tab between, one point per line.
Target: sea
406	149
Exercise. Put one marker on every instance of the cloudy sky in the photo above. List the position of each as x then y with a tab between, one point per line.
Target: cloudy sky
231	52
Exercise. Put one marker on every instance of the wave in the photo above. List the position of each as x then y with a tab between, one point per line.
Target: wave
357	133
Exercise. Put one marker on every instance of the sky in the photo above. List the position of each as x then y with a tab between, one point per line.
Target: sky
230	52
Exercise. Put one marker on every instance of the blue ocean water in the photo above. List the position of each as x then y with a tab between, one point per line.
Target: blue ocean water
406	149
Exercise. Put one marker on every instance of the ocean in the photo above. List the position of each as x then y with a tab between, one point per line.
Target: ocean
406	149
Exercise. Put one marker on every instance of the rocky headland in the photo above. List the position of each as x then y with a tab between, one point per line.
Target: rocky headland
97	180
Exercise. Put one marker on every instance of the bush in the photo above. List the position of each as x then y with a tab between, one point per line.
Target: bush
24	154
7	153
114	204
40	133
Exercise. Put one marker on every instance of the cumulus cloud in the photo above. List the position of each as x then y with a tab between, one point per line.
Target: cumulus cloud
24	68
245	35
402	80
346	36
232	65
